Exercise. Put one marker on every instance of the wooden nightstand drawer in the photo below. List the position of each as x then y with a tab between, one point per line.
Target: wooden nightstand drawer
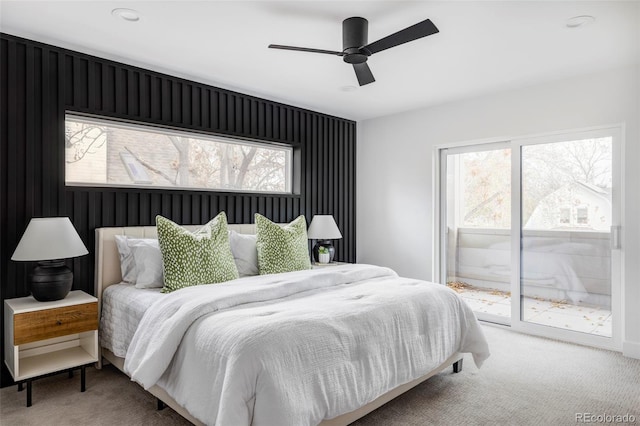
49	323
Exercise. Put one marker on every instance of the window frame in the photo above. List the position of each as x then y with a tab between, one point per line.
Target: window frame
293	174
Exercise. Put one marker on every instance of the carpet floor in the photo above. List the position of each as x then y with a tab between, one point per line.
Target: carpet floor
527	381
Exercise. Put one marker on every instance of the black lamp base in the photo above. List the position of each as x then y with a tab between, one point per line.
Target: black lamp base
50	280
323	243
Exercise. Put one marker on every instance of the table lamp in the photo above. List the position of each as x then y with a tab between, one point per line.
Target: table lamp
323	229
49	241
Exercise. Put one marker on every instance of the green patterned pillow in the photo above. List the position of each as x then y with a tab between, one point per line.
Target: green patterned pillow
282	249
201	257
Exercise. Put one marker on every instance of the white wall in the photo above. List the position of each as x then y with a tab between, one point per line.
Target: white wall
395	166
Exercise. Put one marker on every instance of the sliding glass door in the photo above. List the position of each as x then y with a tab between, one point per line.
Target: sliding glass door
529	233
476	200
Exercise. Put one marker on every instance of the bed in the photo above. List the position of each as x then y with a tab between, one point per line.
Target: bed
243	376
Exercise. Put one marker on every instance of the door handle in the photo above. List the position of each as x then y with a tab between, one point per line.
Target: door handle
615	238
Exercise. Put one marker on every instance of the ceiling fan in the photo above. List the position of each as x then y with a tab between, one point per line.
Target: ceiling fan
355	49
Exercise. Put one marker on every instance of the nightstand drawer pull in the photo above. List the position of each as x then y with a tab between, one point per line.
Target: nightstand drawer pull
48	323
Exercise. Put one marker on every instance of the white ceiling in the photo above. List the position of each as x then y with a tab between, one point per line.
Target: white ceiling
482	46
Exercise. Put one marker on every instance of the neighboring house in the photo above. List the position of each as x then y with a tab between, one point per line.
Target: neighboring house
575	206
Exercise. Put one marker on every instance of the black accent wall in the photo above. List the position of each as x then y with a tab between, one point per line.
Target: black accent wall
39	83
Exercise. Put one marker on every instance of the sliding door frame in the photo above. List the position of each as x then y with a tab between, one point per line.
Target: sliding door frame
616	131
442	249
517	323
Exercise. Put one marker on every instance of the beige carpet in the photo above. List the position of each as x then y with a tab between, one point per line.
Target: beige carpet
527	381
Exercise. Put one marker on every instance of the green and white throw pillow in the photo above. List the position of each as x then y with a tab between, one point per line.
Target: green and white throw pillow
201	257
282	248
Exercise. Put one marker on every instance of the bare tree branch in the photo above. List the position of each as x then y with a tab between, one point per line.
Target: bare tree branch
82	151
150	167
248	157
182	145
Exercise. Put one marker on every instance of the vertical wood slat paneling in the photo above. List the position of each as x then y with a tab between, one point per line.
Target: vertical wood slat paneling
196	118
176	96
93	77
205	107
133	95
120	85
166	92
34	114
11	57
185	110
214	106
155	98
69	76
144	95
4	136
50	95
108	88
41	82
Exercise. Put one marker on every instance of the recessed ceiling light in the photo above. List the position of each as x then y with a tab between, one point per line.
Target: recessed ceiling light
580	21
348	88
129	15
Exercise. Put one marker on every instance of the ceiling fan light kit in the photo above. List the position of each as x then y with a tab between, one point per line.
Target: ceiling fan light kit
356	51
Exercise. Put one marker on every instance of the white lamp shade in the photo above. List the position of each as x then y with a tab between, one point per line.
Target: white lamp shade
323	227
49	238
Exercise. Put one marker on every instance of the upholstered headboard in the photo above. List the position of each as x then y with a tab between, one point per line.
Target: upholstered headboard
108	261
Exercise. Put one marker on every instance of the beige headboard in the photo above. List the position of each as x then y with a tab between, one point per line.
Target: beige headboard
108	260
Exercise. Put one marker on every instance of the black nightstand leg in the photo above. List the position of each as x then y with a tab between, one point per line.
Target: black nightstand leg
161	405
20	387
457	366
83	378
28	393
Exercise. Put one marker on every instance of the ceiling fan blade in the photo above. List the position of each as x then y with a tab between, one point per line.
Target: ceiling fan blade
305	49
363	72
414	32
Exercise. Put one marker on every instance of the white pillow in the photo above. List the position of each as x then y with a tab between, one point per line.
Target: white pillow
127	263
148	258
245	253
140	261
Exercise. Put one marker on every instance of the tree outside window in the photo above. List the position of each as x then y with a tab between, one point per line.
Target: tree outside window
118	154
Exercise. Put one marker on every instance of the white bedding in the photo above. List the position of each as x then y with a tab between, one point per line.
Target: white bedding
123	306
300	347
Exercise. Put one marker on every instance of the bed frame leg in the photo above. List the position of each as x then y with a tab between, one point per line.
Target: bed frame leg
161	405
457	366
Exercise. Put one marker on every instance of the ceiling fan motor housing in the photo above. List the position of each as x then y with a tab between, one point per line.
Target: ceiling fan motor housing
354	36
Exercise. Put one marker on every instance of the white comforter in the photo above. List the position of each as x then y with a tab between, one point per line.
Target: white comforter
300	347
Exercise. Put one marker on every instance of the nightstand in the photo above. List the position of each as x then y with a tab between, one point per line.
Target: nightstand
45	338
326	265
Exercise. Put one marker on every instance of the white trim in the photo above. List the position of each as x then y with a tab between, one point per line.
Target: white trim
436	222
631	349
482	141
488	146
516	238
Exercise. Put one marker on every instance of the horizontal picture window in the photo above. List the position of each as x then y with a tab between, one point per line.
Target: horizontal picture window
101	152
